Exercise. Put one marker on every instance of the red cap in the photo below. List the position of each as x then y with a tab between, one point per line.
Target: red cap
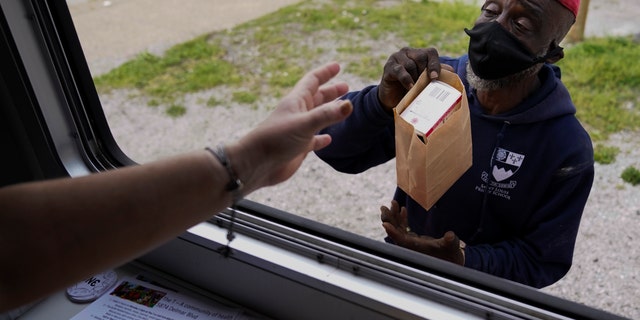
572	5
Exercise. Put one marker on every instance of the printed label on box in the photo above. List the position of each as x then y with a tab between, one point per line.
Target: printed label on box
431	106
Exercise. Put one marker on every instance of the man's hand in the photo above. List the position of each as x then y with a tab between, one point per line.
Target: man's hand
395	223
401	71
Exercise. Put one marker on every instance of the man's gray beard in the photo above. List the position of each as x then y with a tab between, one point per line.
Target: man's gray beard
505	82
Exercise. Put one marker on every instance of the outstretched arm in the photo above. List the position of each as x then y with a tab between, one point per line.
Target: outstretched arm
55	233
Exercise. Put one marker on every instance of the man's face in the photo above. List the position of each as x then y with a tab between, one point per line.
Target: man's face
533	22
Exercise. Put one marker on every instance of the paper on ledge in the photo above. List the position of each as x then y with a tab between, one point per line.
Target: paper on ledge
134	299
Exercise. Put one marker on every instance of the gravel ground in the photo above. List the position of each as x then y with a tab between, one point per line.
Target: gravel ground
606	270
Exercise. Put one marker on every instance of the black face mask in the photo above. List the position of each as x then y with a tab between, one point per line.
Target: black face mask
495	53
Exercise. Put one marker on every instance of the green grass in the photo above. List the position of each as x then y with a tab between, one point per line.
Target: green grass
271	53
604	80
604	154
214	102
631	175
189	67
176	110
274	51
244	97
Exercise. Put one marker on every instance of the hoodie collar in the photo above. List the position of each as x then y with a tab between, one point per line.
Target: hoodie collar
551	100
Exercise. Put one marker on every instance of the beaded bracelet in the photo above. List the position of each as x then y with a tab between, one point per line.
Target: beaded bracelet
234	186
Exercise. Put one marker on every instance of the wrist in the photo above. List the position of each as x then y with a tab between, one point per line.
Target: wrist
234	184
387	109
245	164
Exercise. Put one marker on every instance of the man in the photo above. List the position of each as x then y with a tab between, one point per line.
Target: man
519	206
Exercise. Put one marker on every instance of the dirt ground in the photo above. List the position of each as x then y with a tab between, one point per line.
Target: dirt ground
111	32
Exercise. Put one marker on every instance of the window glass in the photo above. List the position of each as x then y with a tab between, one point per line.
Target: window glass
232	86
176	76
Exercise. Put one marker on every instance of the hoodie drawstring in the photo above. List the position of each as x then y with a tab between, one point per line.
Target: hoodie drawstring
485	196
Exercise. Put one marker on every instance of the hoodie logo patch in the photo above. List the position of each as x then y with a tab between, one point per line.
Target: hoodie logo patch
505	164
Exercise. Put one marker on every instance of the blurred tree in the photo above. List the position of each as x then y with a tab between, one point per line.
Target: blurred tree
576	34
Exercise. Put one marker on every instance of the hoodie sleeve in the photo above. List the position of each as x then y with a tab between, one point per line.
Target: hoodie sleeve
544	254
365	139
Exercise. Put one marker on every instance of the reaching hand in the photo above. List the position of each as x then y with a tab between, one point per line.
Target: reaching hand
275	149
395	223
403	69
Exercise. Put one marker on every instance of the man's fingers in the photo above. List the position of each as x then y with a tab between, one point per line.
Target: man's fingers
454	247
400	237
392	232
394	206
433	63
451	241
385	215
448	247
447	67
393	215
401	69
404	217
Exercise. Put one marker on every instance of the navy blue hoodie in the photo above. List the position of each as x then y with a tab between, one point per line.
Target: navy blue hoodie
519	206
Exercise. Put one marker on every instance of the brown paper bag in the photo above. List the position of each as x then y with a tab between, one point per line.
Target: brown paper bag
426	170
